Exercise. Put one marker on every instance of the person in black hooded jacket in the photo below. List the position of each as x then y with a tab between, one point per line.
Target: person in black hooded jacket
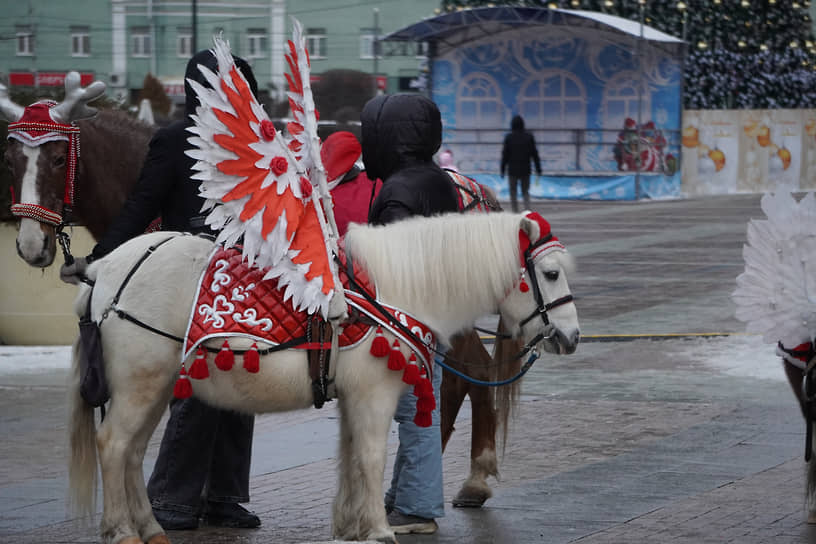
518	150
204	451
400	134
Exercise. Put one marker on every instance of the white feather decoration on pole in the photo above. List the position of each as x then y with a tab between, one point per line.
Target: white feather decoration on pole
776	294
257	184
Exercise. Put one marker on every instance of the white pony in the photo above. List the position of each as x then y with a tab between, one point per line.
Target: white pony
446	271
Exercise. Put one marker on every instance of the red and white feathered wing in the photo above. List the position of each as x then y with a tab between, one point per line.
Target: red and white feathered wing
262	189
776	294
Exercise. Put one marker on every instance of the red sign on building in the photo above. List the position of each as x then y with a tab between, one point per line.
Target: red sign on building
46	79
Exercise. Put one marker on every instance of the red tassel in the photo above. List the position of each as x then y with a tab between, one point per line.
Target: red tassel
426	404
199	370
422	419
379	347
523	287
183	389
411	375
424	387
396	360
225	359
252	360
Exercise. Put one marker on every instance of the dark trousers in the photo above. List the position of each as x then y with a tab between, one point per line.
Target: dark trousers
525	190
204	455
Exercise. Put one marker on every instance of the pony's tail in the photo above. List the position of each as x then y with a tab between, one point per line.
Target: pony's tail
82	472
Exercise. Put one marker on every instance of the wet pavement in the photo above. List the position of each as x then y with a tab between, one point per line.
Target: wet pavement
667	425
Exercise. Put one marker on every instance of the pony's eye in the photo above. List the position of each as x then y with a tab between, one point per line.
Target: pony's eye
59	161
551	275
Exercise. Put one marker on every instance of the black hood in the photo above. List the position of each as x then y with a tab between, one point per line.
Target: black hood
206	58
517	123
397	131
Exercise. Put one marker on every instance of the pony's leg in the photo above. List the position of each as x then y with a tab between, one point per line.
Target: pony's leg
475	490
367	402
139	396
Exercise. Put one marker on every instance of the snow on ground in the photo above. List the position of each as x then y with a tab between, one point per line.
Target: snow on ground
34	359
739	355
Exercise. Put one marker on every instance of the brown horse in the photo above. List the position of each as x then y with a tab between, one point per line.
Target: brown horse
113	148
53	182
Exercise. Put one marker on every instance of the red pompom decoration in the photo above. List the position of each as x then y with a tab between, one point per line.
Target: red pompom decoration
379	347
199	370
396	360
225	359
252	360
523	287
279	165
305	187
268	130
183	388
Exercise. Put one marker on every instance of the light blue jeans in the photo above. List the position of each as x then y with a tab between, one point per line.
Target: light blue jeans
416	487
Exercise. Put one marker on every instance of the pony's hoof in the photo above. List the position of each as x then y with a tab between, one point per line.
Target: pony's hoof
160	538
471	498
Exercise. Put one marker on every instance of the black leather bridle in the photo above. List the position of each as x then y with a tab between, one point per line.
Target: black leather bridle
542	307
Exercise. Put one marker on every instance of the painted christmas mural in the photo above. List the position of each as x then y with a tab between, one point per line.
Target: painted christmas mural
575	88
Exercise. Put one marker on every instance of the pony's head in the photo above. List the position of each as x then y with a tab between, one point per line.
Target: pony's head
42	155
540	307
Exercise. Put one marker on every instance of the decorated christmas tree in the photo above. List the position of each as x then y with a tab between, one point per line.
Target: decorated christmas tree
741	53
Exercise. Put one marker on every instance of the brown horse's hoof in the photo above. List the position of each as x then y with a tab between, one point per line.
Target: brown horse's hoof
131	540
811	519
470	498
160	538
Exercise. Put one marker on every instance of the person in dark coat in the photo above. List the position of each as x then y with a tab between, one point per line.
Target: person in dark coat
518	150
400	135
205	452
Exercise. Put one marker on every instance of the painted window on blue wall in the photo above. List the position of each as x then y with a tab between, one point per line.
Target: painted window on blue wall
555	99
621	100
479	104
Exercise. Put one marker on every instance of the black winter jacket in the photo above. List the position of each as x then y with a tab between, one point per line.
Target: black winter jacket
400	134
164	187
518	150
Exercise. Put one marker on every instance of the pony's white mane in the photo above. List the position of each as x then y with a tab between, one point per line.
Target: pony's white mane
418	265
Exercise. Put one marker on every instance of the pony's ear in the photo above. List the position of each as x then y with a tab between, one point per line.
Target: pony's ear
534	226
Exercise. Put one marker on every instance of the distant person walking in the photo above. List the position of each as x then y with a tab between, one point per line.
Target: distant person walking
518	150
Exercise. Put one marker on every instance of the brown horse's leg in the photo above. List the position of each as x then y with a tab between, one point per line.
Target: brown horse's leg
477	363
452	391
159	539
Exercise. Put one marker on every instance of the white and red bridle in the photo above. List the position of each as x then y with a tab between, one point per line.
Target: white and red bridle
36	127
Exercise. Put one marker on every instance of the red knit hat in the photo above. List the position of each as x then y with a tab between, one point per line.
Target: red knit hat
339	152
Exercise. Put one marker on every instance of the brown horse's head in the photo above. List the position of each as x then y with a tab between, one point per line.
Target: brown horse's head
42	155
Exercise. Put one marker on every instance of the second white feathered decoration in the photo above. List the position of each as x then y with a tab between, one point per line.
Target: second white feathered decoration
776	294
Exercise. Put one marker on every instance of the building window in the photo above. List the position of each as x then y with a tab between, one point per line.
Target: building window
184	42
25	41
80	41
140	43
422	50
316	42
368	43
256	43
